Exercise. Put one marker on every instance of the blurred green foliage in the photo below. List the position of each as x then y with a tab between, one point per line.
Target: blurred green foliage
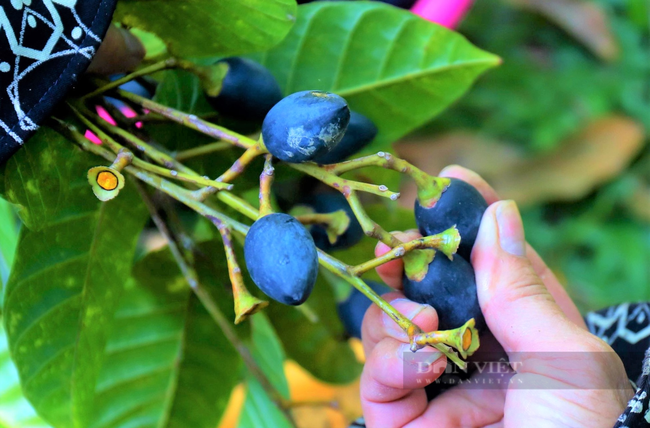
549	87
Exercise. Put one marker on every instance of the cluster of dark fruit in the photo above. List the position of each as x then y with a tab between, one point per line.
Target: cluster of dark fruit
281	254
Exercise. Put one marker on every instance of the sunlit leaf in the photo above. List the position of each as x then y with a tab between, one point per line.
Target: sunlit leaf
389	64
15	410
167	362
267	351
70	267
200	28
259	411
8	241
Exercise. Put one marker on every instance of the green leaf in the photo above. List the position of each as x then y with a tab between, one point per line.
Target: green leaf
69	271
267	351
320	347
15	410
182	90
167	363
8	242
389	64
259	411
200	28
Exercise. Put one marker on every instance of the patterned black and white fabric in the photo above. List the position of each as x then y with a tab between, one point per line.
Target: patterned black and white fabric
44	46
626	328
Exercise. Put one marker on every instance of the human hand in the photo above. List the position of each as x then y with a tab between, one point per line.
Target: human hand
119	52
532	318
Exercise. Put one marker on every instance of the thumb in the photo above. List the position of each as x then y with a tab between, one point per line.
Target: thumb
518	308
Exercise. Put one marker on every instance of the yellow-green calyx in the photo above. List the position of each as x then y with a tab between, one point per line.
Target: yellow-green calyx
106	182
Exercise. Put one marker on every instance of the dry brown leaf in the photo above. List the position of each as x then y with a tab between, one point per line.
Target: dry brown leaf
639	203
487	157
581	164
586	21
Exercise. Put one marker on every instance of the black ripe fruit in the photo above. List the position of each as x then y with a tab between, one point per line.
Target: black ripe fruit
352	309
449	286
323	203
248	91
460	205
305	125
281	258
361	131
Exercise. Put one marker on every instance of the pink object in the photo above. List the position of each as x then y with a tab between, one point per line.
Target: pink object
101	111
444	12
92	137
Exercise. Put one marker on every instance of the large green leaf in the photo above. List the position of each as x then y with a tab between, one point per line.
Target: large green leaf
69	271
167	365
200	28
319	347
267	351
8	242
259	410
388	63
15	410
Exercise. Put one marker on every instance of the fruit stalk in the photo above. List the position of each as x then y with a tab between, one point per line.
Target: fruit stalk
343	185
429	187
191	121
238	140
447	242
165	172
325	260
144	71
201	150
266	181
192	279
245	303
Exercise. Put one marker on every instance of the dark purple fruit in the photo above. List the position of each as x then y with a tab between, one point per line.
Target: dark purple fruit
352	310
361	131
248	91
449	286
328	203
460	205
281	258
305	125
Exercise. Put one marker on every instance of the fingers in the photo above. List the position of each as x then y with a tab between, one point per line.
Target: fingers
513	297
119	52
554	287
377	325
467	406
393	378
455	171
391	273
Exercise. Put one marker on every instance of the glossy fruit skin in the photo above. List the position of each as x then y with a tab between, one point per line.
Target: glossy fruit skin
305	125
281	258
352	309
327	203
249	91
361	131
460	205
449	286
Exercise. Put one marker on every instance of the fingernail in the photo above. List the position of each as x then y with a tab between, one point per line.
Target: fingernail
511	228
134	49
424	358
406	307
443	173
